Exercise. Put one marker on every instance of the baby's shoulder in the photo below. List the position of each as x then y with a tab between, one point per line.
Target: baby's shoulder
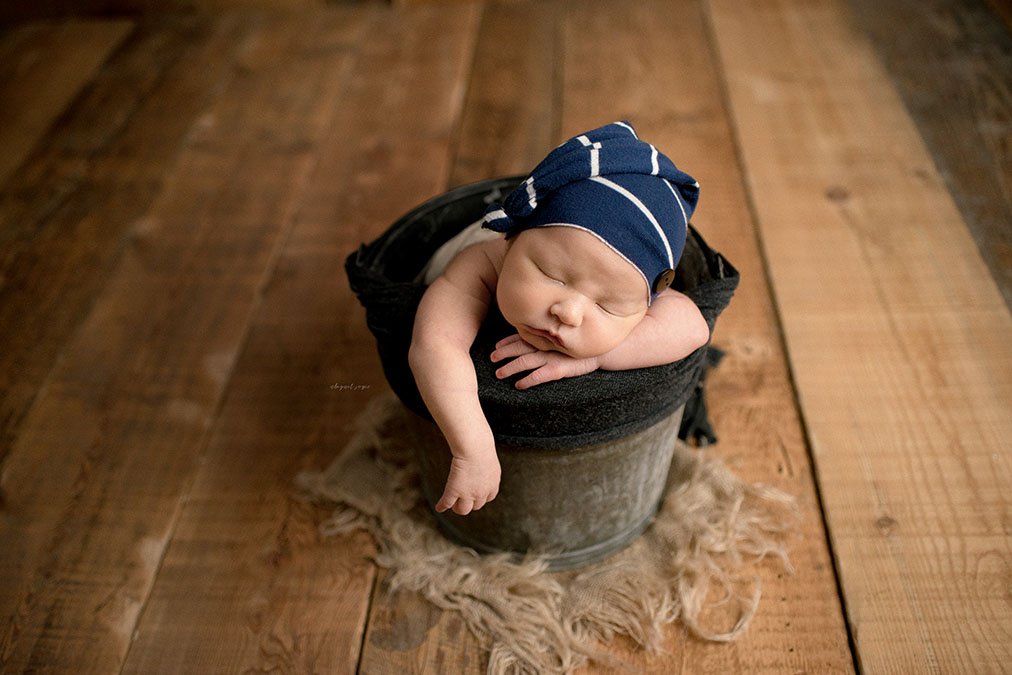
478	263
495	251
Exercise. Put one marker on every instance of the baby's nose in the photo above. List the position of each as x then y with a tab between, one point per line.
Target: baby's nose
568	312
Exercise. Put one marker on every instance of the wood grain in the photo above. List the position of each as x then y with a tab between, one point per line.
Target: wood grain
511	110
952	64
247	578
69	213
56	10
408	634
105	455
898	338
41	73
1003	10
653	66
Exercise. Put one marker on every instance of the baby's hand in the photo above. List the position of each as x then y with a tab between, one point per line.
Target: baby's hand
472	483
547	365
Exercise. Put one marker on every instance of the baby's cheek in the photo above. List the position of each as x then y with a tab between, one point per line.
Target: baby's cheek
516	302
508	308
614	332
593	340
505	299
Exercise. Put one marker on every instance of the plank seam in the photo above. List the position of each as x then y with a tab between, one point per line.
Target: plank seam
366	622
725	95
458	123
558	70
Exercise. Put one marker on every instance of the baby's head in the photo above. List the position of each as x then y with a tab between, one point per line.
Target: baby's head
595	234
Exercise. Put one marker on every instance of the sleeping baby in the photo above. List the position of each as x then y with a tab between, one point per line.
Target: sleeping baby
579	259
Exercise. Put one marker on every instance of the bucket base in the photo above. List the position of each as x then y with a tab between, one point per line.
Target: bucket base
556	561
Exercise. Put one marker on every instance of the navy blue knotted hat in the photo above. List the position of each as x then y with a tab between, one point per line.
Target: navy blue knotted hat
620	189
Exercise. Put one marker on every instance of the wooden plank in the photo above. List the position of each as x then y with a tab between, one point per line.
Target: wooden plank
1003	10
653	65
50	65
951	60
898	337
13	12
246	580
67	214
96	478
511	111
408	634
422	3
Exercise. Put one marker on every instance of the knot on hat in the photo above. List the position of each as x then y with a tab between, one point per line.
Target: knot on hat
615	186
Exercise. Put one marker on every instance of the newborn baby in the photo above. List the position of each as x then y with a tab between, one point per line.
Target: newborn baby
592	238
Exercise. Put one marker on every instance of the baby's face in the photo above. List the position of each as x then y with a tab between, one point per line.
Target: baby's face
564	289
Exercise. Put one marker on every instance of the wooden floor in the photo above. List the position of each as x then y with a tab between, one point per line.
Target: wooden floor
178	193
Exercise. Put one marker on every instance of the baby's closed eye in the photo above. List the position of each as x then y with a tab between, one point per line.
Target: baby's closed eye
606	310
616	309
549	275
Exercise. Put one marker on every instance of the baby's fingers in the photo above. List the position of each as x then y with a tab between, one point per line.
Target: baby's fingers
555	369
524	362
482	501
463	506
445	502
508	340
507	350
539	376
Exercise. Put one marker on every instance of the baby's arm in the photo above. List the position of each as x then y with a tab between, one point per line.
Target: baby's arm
672	329
448	318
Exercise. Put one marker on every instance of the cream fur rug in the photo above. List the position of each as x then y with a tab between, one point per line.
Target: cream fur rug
710	525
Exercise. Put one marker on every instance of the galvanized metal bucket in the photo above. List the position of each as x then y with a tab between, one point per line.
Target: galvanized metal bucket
575	505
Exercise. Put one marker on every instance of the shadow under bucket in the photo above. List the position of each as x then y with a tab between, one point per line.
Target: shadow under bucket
584	460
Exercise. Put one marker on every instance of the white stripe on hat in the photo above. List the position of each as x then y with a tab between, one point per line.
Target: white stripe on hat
498	214
584	140
678	200
631	130
642	207
654	167
595	160
533	201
